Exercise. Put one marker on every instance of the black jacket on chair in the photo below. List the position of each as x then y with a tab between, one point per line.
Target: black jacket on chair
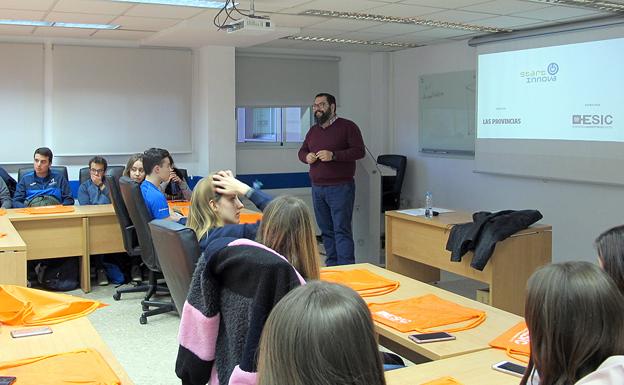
486	229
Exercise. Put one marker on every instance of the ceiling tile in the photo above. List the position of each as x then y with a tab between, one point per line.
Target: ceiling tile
396	29
505	21
456	16
403	10
15	30
164	11
144	23
79	18
92	6
433	33
273	5
365	36
556	12
63	32
319	32
333	5
121	35
34	5
345	24
504	7
449	4
21	15
281	20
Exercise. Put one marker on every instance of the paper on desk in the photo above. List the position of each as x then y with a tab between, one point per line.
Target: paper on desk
421	211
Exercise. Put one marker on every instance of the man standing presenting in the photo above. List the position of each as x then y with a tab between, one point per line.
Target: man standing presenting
331	148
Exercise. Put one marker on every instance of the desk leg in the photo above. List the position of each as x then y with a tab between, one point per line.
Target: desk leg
85	259
13	268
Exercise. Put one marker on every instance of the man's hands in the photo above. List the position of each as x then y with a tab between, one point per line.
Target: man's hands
325	155
98	180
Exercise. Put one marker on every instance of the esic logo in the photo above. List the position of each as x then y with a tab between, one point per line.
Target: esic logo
541	76
592	120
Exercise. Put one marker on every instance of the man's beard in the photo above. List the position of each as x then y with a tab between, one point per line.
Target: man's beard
323	118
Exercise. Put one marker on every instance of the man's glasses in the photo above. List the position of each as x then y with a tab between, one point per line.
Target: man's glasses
96	171
320	105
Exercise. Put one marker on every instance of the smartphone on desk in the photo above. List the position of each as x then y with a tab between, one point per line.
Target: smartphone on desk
431	337
510	368
19	333
7	380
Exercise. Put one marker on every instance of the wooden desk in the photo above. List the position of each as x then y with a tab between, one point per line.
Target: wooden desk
12	255
469	369
86	231
416	247
66	336
497	321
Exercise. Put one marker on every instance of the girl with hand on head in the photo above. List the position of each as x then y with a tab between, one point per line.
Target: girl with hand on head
574	314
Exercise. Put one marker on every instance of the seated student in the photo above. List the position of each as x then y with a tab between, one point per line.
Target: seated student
95	192
215	208
134	168
5	195
42	187
320	333
175	187
610	246
574	315
8	180
157	168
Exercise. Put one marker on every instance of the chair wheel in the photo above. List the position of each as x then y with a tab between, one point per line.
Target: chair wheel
117	296
143	320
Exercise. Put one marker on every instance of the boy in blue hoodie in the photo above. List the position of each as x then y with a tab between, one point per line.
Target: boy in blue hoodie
42	186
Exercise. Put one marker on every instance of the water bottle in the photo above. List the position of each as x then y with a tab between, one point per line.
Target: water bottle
428	205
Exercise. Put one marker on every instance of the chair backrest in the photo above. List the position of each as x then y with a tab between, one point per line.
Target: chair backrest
24	170
111	171
10	182
178	251
140	217
391	185
128	232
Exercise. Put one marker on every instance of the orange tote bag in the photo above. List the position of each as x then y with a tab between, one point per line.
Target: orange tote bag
443	381
56	209
425	314
515	342
365	283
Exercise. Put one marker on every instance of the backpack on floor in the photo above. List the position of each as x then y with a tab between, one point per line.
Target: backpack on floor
62	274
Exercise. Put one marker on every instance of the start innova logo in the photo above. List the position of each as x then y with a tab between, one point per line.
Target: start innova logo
541	75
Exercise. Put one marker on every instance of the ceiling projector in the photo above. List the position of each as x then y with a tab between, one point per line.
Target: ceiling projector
255	25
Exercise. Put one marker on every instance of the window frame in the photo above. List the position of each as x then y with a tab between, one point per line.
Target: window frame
249	144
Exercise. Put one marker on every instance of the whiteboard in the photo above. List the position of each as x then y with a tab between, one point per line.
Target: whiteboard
21	101
110	101
447	113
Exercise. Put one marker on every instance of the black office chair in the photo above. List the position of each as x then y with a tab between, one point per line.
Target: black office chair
24	170
391	185
132	197
128	233
111	171
9	181
178	251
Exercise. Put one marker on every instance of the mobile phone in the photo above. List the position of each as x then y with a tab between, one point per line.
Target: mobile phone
7	380
431	337
510	368
19	333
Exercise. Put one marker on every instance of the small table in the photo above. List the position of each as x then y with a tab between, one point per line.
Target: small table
416	247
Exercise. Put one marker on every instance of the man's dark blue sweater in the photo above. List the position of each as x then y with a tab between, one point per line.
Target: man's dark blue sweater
31	186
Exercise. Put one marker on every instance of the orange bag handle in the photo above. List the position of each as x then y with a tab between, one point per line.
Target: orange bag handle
379	291
518	355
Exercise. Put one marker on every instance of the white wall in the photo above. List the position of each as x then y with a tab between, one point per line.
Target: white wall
578	212
213	123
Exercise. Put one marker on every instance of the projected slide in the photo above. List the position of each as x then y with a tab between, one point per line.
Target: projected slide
567	92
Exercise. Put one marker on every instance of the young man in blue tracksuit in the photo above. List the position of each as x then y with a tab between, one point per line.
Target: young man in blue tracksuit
42	186
95	192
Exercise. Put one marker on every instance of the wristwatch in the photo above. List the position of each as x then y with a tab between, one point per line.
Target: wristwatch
333	156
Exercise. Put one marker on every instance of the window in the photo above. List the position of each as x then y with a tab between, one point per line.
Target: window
277	125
